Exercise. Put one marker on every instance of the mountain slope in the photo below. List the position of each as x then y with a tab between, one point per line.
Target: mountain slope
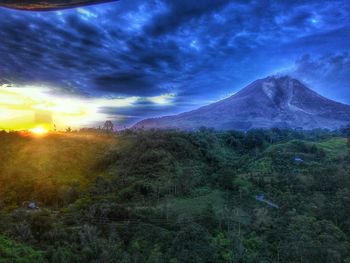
271	102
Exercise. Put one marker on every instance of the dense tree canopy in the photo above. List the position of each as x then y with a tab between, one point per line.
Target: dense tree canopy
171	196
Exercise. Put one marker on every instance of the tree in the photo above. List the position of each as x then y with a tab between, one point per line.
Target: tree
192	243
108	126
223	251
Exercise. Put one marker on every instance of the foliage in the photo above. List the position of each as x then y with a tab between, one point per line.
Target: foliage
11	251
172	196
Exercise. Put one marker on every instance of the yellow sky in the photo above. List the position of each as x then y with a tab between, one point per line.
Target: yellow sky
24	108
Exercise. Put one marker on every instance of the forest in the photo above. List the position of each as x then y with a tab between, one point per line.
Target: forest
151	196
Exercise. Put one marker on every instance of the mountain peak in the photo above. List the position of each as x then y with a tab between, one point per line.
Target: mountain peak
279	88
281	81
273	83
280	77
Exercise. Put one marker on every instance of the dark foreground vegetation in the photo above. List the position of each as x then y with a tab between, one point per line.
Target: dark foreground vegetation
168	196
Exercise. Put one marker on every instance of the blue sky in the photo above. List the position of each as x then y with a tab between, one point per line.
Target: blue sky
173	56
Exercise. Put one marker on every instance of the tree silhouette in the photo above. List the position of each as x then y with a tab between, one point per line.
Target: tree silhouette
108	126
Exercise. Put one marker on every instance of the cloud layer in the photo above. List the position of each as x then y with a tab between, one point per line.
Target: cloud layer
198	51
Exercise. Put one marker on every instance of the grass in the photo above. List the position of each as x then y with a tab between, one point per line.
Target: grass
335	147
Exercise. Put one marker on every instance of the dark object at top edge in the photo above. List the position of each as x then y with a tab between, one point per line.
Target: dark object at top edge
37	5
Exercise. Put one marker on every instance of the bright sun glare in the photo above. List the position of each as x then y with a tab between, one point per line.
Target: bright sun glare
39	130
35	109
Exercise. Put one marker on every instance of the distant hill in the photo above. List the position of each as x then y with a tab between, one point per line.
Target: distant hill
275	101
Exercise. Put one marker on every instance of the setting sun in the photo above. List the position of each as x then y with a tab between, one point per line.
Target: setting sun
39	130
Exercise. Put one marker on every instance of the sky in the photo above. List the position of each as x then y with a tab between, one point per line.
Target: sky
129	60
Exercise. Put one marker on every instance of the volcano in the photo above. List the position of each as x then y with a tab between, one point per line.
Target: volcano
275	101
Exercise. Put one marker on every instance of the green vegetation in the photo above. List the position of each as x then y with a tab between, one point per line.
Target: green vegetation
170	196
49	170
11	251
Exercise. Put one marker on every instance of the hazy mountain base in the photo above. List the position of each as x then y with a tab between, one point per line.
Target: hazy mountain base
164	196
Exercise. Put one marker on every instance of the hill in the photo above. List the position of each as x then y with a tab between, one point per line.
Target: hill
47	169
174	196
275	101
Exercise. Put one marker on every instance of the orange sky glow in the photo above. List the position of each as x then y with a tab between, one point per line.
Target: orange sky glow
32	107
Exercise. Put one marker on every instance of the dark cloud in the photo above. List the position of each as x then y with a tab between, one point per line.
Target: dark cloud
301	18
180	12
330	65
130	83
329	74
140	111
